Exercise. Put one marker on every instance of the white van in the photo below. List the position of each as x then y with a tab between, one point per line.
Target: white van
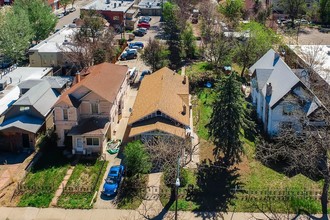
132	74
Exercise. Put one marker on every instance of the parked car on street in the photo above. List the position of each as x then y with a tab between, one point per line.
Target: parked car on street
136	45
66	13
140	32
73	9
129	54
113	180
59	16
144	25
144	72
145	19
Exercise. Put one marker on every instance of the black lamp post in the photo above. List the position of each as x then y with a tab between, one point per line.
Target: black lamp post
177	185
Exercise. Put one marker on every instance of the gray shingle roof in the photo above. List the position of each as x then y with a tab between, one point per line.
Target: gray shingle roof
42	97
282	78
262	76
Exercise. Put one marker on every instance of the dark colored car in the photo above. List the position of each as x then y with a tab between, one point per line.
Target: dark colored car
144	25
129	54
144	72
66	13
113	180
138	33
145	19
136	45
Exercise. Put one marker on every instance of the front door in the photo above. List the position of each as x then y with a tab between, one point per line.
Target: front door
25	141
80	145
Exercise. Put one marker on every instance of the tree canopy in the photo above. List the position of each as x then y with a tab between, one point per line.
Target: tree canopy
136	159
229	116
259	41
325	11
15	34
232	10
155	54
41	18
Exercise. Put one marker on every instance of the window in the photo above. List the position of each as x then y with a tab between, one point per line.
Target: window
288	109
65	114
92	141
24	108
95	108
158	113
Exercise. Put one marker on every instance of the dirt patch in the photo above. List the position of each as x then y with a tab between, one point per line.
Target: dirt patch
243	166
10	175
205	150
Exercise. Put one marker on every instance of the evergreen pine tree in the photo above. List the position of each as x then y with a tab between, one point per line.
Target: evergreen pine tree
229	117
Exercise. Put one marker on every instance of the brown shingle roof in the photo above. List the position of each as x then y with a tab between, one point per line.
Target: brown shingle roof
104	79
158	126
162	91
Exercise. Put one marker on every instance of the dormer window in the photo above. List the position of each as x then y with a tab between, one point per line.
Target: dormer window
158	113
24	108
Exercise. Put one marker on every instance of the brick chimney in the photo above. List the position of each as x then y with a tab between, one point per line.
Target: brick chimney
184	81
78	77
269	89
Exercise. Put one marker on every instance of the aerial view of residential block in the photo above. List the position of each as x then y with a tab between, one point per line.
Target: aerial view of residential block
164	109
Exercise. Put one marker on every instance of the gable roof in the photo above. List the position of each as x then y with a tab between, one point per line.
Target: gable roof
104	79
42	97
24	122
163	91
281	78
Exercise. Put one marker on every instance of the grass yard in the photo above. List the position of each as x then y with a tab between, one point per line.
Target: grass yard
132	192
184	202
83	178
202	111
44	179
258	179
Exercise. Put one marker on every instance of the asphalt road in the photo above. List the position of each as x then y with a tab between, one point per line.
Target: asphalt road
69	18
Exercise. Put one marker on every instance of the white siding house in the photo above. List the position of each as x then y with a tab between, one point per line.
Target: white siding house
282	100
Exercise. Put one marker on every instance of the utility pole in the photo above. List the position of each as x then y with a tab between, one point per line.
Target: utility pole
177	184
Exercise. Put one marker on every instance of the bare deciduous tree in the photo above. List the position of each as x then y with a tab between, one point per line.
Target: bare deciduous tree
303	152
91	44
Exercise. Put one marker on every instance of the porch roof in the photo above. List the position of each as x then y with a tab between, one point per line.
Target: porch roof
24	122
90	127
157	124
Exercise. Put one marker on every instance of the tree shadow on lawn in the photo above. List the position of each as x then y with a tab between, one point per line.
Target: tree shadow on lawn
216	188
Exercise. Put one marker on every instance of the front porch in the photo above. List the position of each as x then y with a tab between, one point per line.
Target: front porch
90	136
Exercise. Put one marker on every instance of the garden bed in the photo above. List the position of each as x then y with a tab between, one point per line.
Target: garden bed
39	187
83	183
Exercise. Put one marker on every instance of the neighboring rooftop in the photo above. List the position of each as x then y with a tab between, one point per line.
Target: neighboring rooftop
153	4
56	82
55	41
12	92
104	79
318	53
42	97
109	5
164	91
276	72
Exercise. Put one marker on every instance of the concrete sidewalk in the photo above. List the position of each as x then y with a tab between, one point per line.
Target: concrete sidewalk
113	214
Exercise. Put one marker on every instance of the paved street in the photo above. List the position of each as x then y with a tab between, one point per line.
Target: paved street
114	214
69	18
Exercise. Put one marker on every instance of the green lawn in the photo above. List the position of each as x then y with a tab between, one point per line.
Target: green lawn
44	179
202	111
83	178
260	180
184	203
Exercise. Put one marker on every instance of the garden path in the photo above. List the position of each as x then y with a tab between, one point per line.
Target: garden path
60	189
151	205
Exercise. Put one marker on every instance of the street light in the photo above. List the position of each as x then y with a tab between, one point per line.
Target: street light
177	185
